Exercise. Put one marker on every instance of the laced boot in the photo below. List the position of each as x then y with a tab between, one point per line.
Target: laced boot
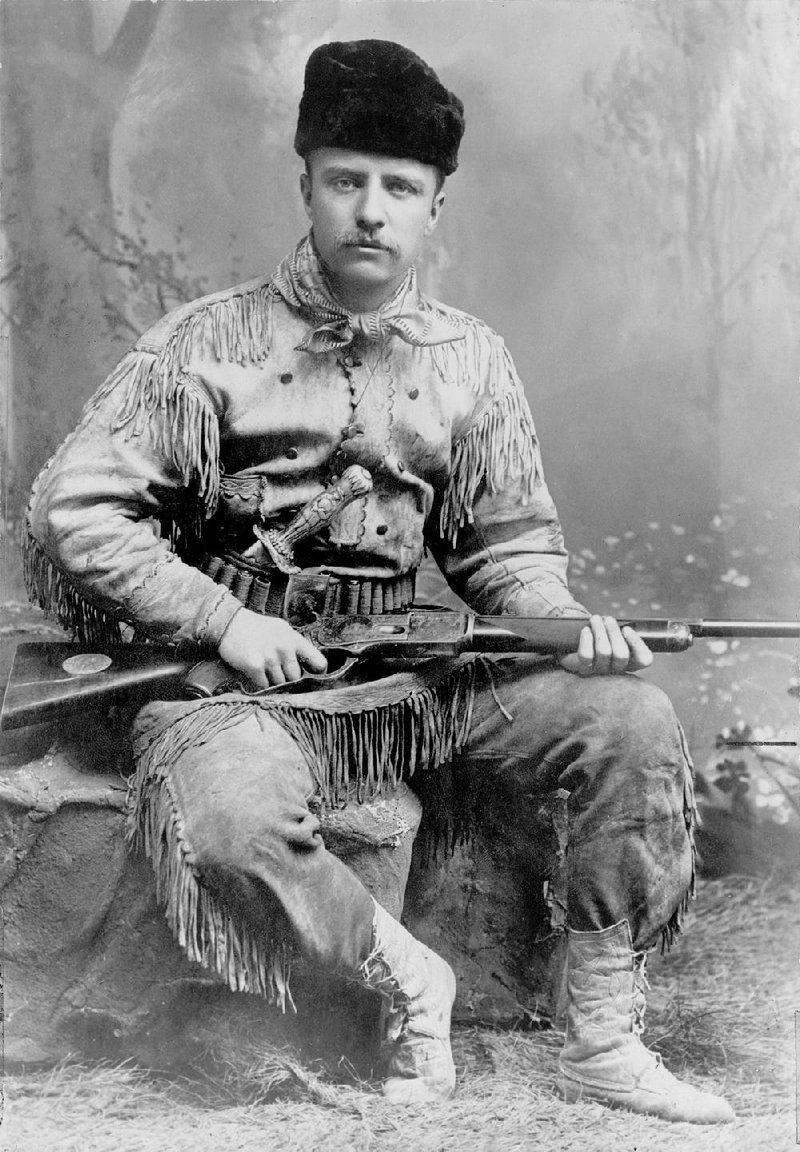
603	1057
418	987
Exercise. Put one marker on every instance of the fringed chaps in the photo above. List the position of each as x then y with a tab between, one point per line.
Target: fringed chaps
358	741
691	819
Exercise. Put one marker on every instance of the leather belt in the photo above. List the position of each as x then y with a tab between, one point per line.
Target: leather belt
264	590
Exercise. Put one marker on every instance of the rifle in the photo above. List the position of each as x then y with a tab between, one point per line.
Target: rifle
52	680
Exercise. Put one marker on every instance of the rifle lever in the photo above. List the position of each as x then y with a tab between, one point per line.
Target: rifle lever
310	680
213	678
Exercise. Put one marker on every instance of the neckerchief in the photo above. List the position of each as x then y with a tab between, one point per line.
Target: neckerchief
300	280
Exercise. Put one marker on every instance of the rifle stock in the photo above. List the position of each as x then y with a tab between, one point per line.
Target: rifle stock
41	689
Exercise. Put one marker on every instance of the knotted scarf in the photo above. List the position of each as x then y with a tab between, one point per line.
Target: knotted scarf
300	280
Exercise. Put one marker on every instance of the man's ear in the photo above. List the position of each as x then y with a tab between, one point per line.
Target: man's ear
436	211
305	192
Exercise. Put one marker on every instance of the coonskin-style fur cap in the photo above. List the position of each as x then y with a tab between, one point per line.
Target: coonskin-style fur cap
377	96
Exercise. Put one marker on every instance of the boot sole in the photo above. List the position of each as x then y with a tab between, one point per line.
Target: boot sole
577	1093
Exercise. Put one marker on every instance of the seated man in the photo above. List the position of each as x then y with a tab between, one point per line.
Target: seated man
239	409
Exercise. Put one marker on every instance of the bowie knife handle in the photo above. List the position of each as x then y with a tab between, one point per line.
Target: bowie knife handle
354	482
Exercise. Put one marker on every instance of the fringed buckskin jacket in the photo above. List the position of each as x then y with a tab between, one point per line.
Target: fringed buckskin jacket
244	405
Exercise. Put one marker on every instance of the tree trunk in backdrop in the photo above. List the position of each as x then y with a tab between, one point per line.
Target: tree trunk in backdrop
56	85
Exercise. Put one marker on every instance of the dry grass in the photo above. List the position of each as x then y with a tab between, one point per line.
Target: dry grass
721	1011
723	1003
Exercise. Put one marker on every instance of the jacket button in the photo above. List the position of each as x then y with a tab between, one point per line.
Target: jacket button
291	453
413	394
401	466
286	378
382	529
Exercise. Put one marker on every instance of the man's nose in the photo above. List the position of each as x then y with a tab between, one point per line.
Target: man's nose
370	210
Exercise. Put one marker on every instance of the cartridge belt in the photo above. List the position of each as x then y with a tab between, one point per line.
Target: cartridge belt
265	590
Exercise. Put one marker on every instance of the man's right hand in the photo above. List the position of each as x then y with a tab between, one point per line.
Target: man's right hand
267	649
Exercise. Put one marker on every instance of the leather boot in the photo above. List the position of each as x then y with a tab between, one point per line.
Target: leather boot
603	1057
419	988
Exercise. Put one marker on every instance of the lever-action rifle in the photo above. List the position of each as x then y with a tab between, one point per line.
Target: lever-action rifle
51	680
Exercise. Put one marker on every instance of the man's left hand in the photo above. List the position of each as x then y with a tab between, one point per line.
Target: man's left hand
605	649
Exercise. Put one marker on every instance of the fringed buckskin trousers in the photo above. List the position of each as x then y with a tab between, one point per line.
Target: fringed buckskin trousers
220	801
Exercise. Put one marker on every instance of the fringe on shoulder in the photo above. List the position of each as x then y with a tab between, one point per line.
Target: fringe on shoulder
183	425
499	447
172	406
157	390
477	361
155	394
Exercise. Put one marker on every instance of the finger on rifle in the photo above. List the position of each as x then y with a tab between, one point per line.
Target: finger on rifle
310	656
620	649
602	645
641	656
273	671
256	676
585	652
290	666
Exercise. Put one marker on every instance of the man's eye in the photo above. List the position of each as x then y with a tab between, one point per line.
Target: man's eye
343	184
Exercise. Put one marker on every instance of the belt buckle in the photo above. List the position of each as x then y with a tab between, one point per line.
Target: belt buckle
304	599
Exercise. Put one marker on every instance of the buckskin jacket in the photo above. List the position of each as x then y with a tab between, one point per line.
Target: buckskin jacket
242	406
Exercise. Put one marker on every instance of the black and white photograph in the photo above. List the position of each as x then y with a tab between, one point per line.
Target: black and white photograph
399	627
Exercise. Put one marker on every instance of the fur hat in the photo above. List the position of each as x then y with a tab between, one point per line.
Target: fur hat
377	96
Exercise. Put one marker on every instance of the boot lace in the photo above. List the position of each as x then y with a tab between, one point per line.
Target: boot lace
640	989
378	975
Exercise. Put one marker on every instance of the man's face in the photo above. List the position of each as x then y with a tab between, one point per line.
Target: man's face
370	215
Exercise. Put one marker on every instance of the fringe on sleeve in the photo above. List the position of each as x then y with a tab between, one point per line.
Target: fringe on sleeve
154	395
54	592
499	447
171	406
158	394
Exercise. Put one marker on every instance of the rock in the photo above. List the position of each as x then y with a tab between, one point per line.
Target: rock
488	894
91	967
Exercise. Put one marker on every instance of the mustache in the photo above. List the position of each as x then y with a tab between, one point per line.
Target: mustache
358	240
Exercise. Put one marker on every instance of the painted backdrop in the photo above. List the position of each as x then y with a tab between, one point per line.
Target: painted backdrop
625	213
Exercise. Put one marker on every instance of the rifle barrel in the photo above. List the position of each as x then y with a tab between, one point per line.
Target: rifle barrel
41	689
757	629
559	635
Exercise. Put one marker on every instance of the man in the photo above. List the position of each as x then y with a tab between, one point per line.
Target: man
230	415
